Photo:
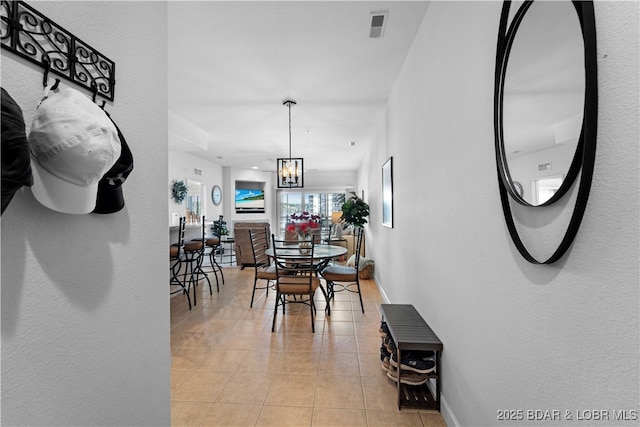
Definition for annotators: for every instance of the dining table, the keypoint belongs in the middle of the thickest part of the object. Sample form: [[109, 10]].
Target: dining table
[[322, 255]]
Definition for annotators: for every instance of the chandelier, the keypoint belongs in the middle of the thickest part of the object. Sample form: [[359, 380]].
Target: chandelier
[[290, 172]]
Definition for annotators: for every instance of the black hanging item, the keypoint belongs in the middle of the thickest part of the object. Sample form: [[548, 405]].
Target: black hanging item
[[16, 166], [46, 63], [31, 35], [110, 198]]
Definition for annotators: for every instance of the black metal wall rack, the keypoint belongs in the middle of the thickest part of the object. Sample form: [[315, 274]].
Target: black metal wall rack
[[31, 35]]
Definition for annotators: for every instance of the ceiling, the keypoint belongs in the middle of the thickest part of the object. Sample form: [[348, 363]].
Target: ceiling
[[233, 63]]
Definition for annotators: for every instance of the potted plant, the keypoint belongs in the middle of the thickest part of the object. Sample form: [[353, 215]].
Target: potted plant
[[355, 211], [219, 227]]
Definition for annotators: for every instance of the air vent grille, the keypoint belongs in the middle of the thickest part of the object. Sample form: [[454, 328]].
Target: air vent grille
[[378, 23]]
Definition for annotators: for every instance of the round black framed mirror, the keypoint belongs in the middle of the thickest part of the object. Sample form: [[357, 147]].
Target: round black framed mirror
[[545, 108]]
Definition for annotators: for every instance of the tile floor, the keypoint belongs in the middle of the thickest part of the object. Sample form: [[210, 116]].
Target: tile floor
[[229, 369]]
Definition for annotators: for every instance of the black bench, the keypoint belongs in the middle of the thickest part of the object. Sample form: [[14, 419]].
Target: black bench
[[410, 332]]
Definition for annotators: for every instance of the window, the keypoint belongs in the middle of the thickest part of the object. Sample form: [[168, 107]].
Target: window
[[322, 204]]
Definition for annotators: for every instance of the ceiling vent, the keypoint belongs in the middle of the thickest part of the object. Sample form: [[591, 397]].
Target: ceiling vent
[[378, 22]]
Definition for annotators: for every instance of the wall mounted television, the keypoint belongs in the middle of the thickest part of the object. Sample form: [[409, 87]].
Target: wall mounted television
[[249, 200]]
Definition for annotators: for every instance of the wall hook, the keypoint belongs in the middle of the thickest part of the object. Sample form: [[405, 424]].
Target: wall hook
[[46, 61], [28, 33], [94, 90]]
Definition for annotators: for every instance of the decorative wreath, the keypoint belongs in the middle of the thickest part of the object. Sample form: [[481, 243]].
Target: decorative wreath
[[179, 191]]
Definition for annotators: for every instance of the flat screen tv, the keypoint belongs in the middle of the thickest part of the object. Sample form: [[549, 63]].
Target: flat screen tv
[[249, 201]]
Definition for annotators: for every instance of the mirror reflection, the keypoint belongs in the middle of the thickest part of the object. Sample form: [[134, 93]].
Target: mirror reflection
[[194, 201], [543, 99]]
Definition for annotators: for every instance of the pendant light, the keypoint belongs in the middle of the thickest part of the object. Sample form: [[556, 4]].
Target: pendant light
[[290, 170]]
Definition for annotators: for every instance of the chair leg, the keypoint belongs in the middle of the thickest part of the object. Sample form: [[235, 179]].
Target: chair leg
[[188, 271], [360, 295], [213, 269], [255, 282], [176, 279], [312, 307], [275, 311], [215, 266], [199, 271]]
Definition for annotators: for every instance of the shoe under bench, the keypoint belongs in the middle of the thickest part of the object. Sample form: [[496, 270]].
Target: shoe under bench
[[410, 332]]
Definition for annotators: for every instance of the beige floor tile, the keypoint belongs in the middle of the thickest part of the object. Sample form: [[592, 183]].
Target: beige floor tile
[[188, 413], [218, 325], [404, 418], [245, 325], [292, 390], [342, 316], [337, 305], [243, 341], [232, 415], [338, 363], [370, 364], [206, 339], [283, 416], [330, 417], [303, 325], [178, 376], [178, 338], [337, 327], [432, 419], [263, 362], [340, 343], [368, 327], [247, 388], [371, 314], [339, 392], [303, 342], [202, 386], [229, 369], [368, 343], [379, 393], [299, 362], [187, 358], [222, 359]]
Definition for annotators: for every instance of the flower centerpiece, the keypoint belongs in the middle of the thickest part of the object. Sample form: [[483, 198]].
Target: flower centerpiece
[[303, 225]]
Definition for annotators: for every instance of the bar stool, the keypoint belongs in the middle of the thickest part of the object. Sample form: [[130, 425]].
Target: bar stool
[[193, 257], [213, 243], [176, 252]]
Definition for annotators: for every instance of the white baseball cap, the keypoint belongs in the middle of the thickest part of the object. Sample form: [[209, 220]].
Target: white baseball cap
[[72, 143]]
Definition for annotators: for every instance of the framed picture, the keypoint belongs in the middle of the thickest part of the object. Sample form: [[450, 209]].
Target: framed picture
[[387, 193]]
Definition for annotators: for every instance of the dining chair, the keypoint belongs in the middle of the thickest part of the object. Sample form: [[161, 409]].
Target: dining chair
[[345, 277], [264, 269], [176, 252], [295, 276]]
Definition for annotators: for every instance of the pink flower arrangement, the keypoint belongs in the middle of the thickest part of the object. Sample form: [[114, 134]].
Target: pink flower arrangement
[[303, 224]]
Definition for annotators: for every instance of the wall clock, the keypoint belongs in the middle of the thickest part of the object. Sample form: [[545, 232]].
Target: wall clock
[[216, 195]]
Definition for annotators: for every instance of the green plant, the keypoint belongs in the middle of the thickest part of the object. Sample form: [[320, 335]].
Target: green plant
[[219, 227], [355, 211], [179, 191]]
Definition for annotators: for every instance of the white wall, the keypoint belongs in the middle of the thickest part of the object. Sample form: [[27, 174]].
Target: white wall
[[516, 335], [231, 176], [182, 166], [85, 306]]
